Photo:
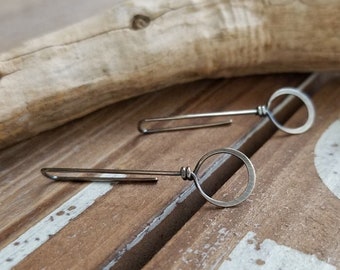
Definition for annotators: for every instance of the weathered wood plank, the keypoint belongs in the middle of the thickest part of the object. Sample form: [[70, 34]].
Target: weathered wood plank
[[290, 205], [128, 219], [140, 46]]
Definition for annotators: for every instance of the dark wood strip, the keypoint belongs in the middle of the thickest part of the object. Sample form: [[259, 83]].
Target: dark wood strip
[[109, 229], [290, 204]]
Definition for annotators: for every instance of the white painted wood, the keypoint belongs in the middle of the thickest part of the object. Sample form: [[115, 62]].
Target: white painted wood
[[140, 46], [327, 158], [37, 235], [269, 255]]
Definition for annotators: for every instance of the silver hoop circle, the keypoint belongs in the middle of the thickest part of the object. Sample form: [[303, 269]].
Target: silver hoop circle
[[251, 177], [307, 102]]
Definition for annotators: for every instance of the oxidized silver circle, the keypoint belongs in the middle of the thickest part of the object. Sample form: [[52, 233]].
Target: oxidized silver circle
[[251, 177], [307, 102]]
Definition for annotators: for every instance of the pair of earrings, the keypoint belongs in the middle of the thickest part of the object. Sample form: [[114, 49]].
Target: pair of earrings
[[108, 175]]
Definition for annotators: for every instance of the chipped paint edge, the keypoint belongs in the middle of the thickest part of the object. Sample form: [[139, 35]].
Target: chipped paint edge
[[41, 232], [179, 199], [269, 255], [327, 158]]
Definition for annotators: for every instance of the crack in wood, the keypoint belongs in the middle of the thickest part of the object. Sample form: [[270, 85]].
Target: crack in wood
[[170, 220], [137, 22]]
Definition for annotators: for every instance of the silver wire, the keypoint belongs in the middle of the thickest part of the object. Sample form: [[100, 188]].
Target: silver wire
[[103, 175], [262, 110], [251, 177], [113, 175]]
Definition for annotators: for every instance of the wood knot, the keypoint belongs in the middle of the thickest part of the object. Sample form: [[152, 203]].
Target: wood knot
[[140, 22]]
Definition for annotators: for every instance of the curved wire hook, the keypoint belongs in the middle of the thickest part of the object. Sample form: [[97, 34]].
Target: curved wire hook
[[108, 175], [262, 110]]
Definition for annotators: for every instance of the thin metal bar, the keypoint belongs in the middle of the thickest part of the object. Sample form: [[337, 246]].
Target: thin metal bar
[[176, 128], [185, 172], [191, 116], [145, 130], [262, 110], [203, 115], [105, 175]]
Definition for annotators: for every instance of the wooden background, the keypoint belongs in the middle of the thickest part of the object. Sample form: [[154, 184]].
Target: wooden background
[[166, 225]]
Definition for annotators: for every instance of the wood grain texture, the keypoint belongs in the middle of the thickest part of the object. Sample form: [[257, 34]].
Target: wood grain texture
[[137, 47], [290, 203], [130, 221]]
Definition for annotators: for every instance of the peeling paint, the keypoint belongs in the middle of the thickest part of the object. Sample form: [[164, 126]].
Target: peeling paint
[[50, 225], [327, 158], [269, 255]]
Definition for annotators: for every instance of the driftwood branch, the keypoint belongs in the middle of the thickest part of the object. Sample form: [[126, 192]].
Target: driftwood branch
[[140, 46]]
